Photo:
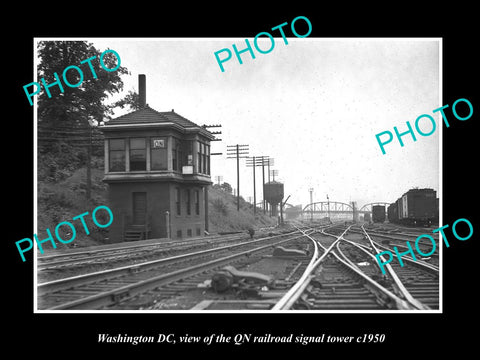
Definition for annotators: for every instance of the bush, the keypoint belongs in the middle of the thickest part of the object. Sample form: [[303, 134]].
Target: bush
[[226, 187], [58, 161], [220, 206]]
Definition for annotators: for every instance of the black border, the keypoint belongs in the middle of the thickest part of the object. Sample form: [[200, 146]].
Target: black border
[[406, 334]]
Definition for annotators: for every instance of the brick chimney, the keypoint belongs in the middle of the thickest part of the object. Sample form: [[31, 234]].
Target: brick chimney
[[142, 96]]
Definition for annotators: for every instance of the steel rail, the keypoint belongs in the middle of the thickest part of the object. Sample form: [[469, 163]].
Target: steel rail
[[346, 257], [399, 233], [98, 251], [400, 239], [45, 262], [113, 296], [399, 303], [400, 230], [315, 245], [292, 295], [157, 245], [399, 285], [287, 301], [65, 283], [418, 262]]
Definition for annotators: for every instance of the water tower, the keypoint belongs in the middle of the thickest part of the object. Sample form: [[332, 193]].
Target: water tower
[[273, 194]]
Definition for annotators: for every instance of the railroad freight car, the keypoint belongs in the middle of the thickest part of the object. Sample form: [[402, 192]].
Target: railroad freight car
[[417, 207], [392, 212], [378, 213]]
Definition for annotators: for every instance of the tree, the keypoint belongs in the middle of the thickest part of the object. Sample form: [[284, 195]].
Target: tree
[[131, 100], [226, 187], [65, 119], [76, 105]]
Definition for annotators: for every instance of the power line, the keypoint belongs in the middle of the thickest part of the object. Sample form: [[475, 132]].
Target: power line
[[253, 162], [236, 152], [262, 161]]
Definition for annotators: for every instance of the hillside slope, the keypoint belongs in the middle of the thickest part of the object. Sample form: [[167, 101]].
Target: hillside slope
[[224, 217]]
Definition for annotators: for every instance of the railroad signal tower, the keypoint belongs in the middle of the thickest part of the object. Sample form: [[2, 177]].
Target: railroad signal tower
[[157, 167]]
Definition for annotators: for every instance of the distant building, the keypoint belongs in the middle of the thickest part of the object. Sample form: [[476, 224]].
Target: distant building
[[157, 167]]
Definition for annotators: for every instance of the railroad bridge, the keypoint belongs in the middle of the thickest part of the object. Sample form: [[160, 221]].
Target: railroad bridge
[[332, 209]]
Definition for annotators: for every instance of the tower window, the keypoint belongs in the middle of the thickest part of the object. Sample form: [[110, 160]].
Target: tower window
[[177, 201], [189, 202], [197, 202], [138, 154], [158, 154], [116, 155]]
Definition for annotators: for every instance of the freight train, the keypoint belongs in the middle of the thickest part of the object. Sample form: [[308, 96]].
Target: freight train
[[417, 207], [378, 213]]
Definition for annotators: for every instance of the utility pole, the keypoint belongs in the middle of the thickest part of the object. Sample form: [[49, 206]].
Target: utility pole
[[270, 162], [254, 161], [205, 189], [311, 203], [267, 161], [328, 207], [282, 204], [236, 152], [206, 127], [273, 173], [92, 126], [263, 160], [88, 190], [263, 185]]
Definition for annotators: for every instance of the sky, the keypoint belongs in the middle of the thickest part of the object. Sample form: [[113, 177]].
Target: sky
[[314, 106]]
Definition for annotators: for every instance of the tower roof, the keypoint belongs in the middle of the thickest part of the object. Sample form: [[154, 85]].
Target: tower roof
[[147, 115]]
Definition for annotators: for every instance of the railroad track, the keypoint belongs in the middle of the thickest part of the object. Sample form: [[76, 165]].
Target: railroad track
[[346, 276], [340, 273], [250, 295], [388, 242], [332, 283], [420, 280], [123, 287], [56, 266], [399, 230], [399, 237]]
